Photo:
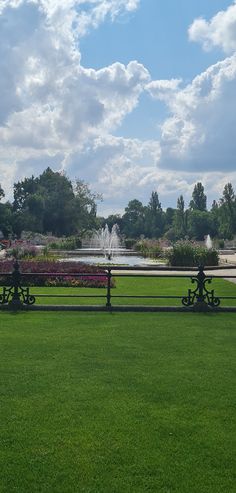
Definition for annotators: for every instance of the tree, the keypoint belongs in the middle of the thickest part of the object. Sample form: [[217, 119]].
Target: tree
[[201, 224], [111, 220], [49, 203], [86, 206], [6, 219], [154, 203], [215, 216], [2, 194], [133, 219], [227, 212], [169, 217], [199, 199], [5, 216], [180, 219], [154, 217]]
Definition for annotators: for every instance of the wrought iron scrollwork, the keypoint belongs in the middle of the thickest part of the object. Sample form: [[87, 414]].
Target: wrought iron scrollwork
[[6, 295], [16, 295], [201, 296]]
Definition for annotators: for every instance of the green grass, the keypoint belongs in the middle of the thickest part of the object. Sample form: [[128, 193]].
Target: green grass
[[116, 403], [135, 286]]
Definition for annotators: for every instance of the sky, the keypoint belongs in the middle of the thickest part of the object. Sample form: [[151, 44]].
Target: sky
[[130, 96]]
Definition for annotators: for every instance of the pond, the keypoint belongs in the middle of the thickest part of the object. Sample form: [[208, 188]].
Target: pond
[[130, 260]]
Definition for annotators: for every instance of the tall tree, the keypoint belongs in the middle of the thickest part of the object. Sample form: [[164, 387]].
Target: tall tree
[[227, 212], [154, 203], [133, 219], [180, 220], [199, 199], [154, 217]]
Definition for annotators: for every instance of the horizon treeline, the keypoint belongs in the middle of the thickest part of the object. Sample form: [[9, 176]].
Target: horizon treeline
[[51, 203], [193, 221]]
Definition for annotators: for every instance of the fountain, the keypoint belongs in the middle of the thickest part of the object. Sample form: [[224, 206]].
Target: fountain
[[208, 242], [107, 241]]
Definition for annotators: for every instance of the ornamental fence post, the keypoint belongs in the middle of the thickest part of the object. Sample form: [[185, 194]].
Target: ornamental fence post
[[201, 298], [15, 303], [109, 276]]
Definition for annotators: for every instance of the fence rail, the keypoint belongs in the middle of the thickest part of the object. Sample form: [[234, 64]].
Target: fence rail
[[201, 297]]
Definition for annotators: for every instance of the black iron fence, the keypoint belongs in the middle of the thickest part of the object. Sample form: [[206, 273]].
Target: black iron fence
[[201, 296]]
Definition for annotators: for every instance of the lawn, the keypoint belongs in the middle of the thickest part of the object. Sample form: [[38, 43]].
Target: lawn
[[137, 286], [116, 403]]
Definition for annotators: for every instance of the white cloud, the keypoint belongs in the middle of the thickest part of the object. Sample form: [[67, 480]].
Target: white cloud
[[200, 133], [56, 112], [49, 101], [162, 89], [220, 31], [99, 10]]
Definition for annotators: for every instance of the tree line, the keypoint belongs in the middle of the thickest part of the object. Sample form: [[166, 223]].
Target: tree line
[[51, 203], [192, 222]]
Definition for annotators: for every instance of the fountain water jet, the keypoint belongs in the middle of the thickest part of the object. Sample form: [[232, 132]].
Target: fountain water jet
[[107, 241], [208, 242]]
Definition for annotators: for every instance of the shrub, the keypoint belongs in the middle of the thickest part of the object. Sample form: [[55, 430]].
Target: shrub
[[129, 243], [187, 254], [70, 243], [221, 243], [23, 251], [149, 248]]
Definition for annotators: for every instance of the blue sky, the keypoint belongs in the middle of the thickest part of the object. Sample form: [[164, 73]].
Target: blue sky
[[157, 36], [129, 95]]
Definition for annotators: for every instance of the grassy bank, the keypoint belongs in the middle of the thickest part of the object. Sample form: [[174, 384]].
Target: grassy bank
[[113, 403]]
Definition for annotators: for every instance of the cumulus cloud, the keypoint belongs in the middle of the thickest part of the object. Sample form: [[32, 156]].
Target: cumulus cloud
[[116, 162], [199, 134], [162, 89], [220, 31], [56, 112], [49, 101]]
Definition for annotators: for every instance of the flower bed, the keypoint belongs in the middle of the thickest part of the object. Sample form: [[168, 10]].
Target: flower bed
[[64, 269]]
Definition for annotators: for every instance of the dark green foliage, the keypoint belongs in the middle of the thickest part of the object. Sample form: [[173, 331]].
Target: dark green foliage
[[6, 219], [180, 219], [200, 224], [129, 243], [111, 221], [154, 217], [227, 212], [187, 254], [49, 203], [2, 194], [199, 199], [133, 221]]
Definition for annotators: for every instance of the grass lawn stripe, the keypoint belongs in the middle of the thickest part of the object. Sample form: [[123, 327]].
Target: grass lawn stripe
[[117, 403]]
